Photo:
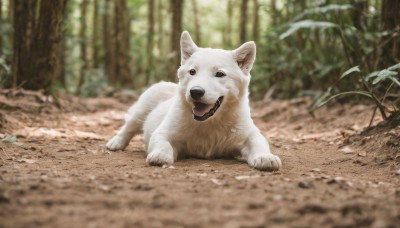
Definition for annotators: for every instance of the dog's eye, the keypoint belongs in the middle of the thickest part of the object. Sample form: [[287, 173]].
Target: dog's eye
[[220, 74], [192, 72]]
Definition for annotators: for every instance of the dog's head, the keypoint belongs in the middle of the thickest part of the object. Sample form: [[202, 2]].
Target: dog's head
[[209, 79]]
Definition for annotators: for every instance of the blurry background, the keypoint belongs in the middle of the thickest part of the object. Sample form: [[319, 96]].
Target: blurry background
[[95, 47]]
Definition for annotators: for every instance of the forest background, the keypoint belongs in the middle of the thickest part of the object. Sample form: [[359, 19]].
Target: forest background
[[95, 47]]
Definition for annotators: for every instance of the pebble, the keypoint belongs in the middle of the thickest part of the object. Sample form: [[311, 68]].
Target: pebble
[[305, 185], [346, 150]]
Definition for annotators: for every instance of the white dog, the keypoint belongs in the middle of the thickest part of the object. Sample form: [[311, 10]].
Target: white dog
[[205, 115]]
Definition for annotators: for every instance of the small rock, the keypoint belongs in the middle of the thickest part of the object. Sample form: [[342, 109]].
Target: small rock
[[255, 206], [244, 177], [316, 170], [277, 197], [305, 185], [362, 154], [29, 161], [346, 150], [216, 181], [104, 188], [44, 178], [397, 172]]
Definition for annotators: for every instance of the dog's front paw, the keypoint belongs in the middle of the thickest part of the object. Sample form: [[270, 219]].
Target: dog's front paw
[[159, 158], [117, 143], [265, 162]]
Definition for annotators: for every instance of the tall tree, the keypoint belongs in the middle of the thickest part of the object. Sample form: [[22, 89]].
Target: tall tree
[[274, 13], [95, 36], [243, 20], [227, 36], [108, 40], [160, 27], [150, 40], [256, 20], [23, 18], [83, 44], [122, 32], [37, 68], [62, 75], [1, 22], [177, 11], [197, 27], [391, 43]]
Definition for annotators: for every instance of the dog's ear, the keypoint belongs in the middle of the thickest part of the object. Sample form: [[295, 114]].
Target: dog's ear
[[245, 56], [188, 47]]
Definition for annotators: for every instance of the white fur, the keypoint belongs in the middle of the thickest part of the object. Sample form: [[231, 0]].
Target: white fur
[[164, 111]]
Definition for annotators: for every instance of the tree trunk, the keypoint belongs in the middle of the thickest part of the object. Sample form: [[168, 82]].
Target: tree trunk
[[390, 54], [160, 28], [274, 13], [1, 25], [63, 52], [243, 18], [83, 46], [11, 19], [122, 32], [108, 40], [23, 18], [227, 36], [177, 11], [357, 14], [197, 27], [256, 19], [150, 40], [95, 35], [47, 45]]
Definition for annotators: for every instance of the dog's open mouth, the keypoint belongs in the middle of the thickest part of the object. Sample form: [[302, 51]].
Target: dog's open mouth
[[203, 111]]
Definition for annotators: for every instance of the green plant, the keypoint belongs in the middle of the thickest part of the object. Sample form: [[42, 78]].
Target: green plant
[[371, 86]]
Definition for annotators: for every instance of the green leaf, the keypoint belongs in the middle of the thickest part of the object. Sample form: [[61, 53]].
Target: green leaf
[[10, 139], [21, 145], [349, 71], [394, 80], [306, 24], [383, 75], [321, 103], [394, 67], [323, 10], [371, 75]]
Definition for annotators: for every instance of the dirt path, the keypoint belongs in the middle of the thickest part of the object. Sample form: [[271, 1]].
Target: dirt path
[[67, 179]]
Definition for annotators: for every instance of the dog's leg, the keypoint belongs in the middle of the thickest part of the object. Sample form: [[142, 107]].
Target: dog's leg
[[132, 126], [160, 151], [138, 113], [258, 154]]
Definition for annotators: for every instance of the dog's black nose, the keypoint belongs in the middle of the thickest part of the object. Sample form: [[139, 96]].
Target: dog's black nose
[[197, 92]]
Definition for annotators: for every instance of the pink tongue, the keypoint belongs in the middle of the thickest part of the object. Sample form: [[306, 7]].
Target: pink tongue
[[200, 109]]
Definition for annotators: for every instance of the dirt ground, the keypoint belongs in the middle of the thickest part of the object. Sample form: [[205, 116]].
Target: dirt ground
[[57, 172]]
